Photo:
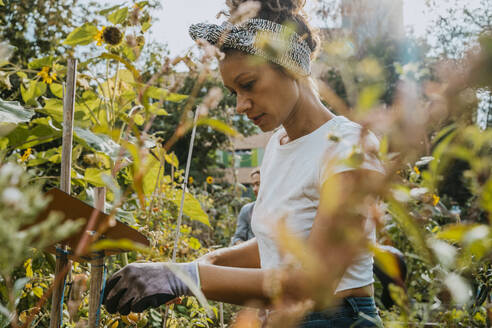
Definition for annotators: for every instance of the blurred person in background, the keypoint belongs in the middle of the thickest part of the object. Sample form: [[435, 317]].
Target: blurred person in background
[[243, 226]]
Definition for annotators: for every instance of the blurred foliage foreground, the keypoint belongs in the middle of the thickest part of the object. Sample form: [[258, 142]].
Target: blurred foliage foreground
[[437, 190]]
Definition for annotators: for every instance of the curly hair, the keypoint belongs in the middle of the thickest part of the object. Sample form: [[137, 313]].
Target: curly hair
[[286, 12]]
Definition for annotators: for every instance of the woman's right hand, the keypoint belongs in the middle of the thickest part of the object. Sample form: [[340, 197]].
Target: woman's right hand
[[244, 255]]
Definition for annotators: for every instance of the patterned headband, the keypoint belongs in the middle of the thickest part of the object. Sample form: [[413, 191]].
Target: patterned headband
[[274, 42]]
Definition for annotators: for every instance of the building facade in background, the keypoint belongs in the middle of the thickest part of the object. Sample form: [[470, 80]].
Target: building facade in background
[[247, 155]]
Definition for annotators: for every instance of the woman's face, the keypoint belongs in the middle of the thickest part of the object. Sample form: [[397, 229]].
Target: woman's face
[[264, 93]]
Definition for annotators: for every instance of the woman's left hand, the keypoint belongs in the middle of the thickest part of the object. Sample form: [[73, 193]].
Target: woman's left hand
[[139, 286]]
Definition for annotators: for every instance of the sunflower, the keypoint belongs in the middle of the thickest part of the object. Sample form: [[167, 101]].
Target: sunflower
[[210, 180], [26, 155], [435, 199], [46, 75], [99, 36]]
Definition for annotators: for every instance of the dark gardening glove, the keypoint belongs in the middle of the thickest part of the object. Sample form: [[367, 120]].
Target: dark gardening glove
[[139, 286]]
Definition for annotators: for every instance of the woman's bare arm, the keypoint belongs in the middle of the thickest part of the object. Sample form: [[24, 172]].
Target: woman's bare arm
[[242, 286], [244, 255]]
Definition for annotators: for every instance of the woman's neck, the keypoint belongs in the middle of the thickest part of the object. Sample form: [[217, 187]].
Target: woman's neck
[[307, 116]]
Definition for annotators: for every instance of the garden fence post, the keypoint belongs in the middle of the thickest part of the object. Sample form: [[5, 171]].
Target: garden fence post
[[65, 181], [97, 269]]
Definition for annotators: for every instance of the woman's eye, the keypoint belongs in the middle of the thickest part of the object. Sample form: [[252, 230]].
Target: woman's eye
[[248, 86]]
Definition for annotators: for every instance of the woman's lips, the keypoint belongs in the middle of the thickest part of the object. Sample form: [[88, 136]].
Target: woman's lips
[[257, 119]]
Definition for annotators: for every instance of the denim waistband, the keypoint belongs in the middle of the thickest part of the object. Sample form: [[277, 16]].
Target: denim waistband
[[348, 310], [353, 305]]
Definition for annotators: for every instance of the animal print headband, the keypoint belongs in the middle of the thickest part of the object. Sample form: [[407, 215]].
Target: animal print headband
[[275, 42]]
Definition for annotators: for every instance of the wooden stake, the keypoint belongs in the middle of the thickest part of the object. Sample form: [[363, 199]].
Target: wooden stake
[[97, 269], [221, 314], [68, 113], [65, 181]]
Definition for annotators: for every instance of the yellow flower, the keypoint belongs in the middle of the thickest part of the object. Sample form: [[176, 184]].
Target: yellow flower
[[190, 180], [416, 169], [26, 155], [99, 36], [435, 199], [210, 180], [46, 76]]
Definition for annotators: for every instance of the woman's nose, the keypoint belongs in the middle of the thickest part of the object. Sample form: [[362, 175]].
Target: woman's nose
[[242, 104]]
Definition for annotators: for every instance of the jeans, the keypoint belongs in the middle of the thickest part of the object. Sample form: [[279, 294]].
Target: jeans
[[354, 312]]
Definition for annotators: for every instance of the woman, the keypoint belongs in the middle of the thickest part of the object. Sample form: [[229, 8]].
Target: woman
[[267, 67]]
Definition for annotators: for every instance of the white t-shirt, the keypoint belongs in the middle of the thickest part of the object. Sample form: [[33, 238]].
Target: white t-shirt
[[291, 178]]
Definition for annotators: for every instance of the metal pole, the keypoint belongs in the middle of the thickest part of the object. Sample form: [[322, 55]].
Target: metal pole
[[185, 185], [65, 181]]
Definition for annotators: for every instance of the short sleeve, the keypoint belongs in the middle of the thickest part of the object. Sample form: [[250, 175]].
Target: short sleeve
[[348, 150]]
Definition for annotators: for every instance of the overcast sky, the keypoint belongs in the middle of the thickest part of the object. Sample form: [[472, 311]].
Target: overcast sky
[[176, 15]]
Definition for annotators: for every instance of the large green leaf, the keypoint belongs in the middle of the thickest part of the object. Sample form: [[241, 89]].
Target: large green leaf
[[34, 90], [486, 198], [24, 136], [159, 93], [172, 159], [98, 142], [41, 62], [54, 108], [57, 90], [81, 35], [94, 176], [218, 126], [119, 16], [151, 175], [109, 10], [11, 114], [123, 244], [192, 207]]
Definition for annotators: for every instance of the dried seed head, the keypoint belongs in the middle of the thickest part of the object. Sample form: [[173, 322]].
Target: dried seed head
[[112, 36]]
